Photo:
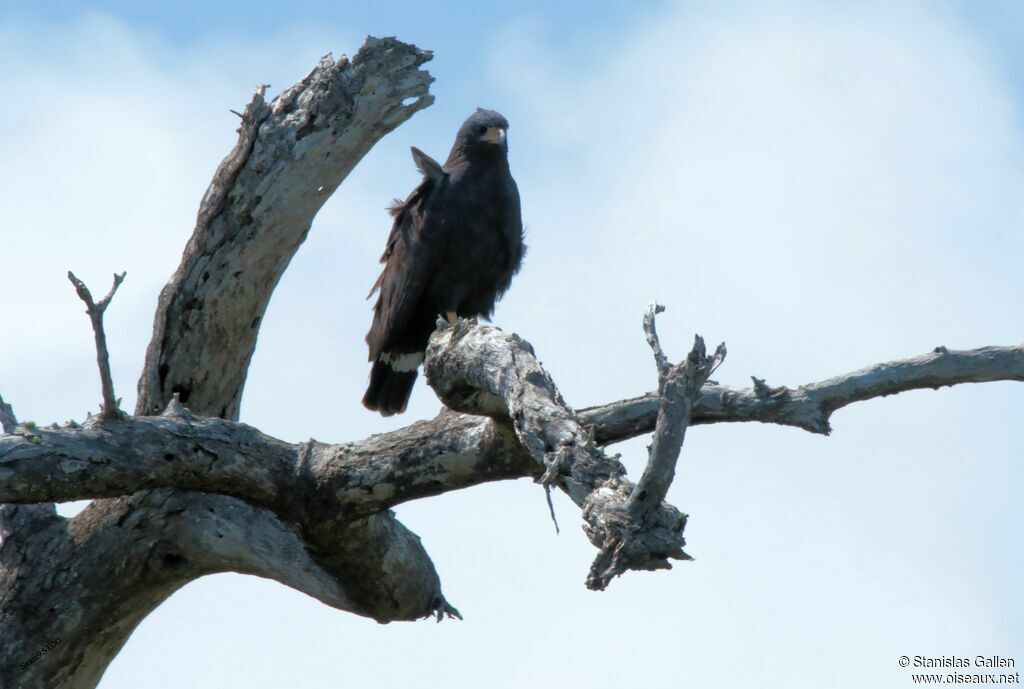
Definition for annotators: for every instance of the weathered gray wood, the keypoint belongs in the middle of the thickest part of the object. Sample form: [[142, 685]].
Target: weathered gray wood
[[319, 488], [481, 369], [185, 494], [811, 406], [84, 584], [180, 450], [678, 389], [338, 483], [291, 155]]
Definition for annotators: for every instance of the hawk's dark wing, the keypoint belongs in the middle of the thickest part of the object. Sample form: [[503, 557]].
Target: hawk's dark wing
[[408, 262]]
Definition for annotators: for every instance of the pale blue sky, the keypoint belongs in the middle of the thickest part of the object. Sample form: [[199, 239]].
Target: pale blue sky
[[821, 185]]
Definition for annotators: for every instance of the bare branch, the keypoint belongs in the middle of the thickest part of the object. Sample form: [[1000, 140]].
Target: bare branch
[[164, 539], [94, 461], [660, 360], [678, 389], [480, 369], [95, 310], [290, 157], [810, 406], [314, 516], [453, 451], [160, 541], [322, 487], [25, 518], [342, 482]]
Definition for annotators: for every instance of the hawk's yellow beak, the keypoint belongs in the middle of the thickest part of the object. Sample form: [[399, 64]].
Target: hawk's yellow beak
[[494, 135]]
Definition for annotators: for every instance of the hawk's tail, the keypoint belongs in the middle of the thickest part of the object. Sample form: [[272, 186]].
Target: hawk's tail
[[389, 390]]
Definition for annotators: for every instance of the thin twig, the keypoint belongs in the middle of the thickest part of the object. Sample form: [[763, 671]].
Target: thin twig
[[95, 311], [551, 507], [652, 338]]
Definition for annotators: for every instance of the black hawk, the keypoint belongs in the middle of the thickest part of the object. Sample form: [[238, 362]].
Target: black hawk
[[455, 244]]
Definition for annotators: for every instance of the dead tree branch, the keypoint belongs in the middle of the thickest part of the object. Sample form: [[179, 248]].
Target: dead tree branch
[[480, 369], [182, 494], [264, 501], [291, 155], [343, 482], [20, 518], [678, 389], [354, 480], [186, 452], [661, 361], [110, 408], [811, 406]]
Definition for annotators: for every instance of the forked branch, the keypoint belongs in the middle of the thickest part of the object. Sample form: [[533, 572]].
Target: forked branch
[[480, 369], [95, 310], [678, 390], [291, 155]]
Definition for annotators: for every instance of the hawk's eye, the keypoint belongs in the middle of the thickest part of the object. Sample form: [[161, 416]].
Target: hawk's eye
[[480, 129]]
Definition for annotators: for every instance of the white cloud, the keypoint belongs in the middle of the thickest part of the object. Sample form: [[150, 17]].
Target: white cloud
[[821, 188]]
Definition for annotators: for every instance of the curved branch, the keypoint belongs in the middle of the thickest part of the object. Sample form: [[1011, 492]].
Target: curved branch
[[160, 541], [480, 368], [290, 157]]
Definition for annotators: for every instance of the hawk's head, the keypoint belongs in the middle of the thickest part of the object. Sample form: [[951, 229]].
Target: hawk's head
[[482, 130]]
